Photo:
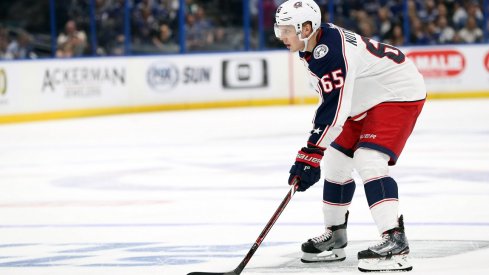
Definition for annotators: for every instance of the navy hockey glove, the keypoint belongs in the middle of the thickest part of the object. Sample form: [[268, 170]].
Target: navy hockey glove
[[306, 167]]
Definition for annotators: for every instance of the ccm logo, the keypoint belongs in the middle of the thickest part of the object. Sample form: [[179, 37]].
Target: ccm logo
[[486, 62], [244, 74], [441, 63]]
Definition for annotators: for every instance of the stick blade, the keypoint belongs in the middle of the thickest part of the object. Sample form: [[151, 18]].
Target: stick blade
[[213, 273]]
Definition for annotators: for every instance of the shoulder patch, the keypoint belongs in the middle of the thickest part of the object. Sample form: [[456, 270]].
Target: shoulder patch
[[320, 51]]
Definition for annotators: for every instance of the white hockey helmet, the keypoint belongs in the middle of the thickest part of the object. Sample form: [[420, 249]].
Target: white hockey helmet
[[296, 13]]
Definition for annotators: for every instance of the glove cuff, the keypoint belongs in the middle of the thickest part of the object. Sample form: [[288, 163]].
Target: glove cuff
[[312, 145], [310, 156]]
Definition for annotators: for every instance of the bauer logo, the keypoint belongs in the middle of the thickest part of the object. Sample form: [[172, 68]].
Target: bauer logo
[[162, 76], [3, 82], [438, 63], [244, 74]]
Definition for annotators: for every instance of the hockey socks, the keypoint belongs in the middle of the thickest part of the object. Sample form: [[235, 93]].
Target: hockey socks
[[383, 200]]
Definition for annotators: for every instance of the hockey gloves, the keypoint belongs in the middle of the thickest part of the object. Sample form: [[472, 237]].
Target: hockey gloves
[[306, 167]]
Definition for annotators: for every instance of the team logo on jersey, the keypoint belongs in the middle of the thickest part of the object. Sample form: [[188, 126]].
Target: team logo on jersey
[[321, 51], [298, 5]]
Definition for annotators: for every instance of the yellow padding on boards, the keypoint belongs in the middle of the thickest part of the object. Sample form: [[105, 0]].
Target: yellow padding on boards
[[201, 105], [140, 109], [459, 95]]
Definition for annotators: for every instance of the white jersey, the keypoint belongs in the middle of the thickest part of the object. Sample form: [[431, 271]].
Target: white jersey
[[352, 74]]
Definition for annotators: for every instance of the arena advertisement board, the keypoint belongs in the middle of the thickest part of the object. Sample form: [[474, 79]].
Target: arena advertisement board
[[81, 83], [9, 93], [451, 68], [123, 84], [486, 62], [245, 73], [176, 77], [438, 63], [207, 78], [3, 81]]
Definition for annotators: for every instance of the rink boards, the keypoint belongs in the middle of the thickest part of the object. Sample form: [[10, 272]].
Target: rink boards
[[54, 88]]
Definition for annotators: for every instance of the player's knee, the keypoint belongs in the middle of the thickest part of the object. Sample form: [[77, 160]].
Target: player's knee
[[370, 163], [338, 166]]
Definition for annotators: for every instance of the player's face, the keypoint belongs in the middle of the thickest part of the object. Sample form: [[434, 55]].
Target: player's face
[[288, 36]]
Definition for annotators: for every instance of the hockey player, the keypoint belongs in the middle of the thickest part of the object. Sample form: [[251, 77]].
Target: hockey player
[[370, 98]]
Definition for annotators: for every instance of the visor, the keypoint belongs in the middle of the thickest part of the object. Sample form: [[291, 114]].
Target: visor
[[284, 30]]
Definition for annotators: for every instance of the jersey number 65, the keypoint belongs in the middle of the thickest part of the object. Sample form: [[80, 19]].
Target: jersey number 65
[[333, 80]]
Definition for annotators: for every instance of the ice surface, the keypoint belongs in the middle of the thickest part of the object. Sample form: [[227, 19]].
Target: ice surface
[[176, 192]]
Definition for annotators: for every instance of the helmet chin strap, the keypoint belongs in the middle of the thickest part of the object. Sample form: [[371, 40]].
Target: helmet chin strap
[[306, 40]]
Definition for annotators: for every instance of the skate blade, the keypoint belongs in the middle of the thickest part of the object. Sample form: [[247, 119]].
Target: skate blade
[[326, 256], [396, 263]]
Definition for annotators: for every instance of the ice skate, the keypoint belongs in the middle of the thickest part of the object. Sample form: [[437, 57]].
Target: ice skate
[[328, 247], [388, 255]]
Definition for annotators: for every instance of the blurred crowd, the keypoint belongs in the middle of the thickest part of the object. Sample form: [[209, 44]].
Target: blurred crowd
[[430, 21], [217, 25]]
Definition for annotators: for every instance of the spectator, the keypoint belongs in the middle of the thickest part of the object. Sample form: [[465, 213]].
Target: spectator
[[21, 47], [474, 10], [145, 24], [365, 25], [396, 8], [72, 42], [191, 7], [459, 16], [418, 36], [147, 5], [168, 10], [194, 36], [163, 39], [201, 20], [429, 13], [366, 28], [226, 39], [384, 23], [446, 33], [397, 36], [371, 7], [412, 10], [471, 33], [432, 33], [107, 24], [199, 33], [269, 8], [442, 11], [3, 42], [118, 47]]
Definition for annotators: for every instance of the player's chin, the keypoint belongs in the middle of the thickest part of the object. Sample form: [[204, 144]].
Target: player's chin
[[292, 49]]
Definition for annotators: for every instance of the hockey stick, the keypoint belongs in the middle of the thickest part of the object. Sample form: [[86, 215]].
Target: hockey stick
[[260, 239]]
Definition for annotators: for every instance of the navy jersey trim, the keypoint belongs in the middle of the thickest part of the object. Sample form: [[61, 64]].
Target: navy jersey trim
[[392, 155], [347, 152]]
